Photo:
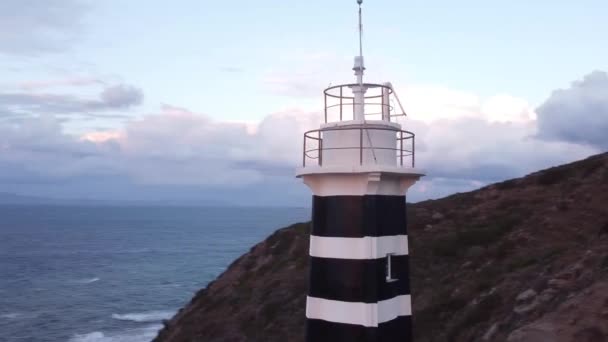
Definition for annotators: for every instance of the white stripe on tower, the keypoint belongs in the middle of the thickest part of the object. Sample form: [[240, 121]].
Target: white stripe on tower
[[365, 314], [368, 247]]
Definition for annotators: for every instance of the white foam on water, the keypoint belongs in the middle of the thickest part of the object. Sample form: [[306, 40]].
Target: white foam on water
[[18, 315], [95, 336], [145, 334], [11, 315], [149, 316], [87, 280]]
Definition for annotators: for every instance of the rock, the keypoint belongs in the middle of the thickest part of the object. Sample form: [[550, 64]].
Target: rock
[[534, 333], [428, 228], [437, 216], [525, 308], [571, 273], [526, 296], [422, 211], [489, 335], [577, 269], [580, 319], [547, 295], [526, 302], [559, 283], [588, 258], [522, 238]]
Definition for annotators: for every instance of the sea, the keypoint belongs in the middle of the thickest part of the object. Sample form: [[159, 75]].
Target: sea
[[113, 274]]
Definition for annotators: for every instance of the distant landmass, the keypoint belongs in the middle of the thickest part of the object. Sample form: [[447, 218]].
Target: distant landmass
[[8, 198], [15, 199], [525, 260]]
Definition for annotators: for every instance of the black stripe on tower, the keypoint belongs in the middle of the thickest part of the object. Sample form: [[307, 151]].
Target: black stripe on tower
[[358, 216], [399, 329], [358, 280]]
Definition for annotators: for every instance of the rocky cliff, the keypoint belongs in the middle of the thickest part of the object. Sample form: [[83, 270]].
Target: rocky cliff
[[524, 260]]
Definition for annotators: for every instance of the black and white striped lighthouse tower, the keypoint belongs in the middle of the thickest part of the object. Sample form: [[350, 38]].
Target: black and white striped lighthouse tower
[[359, 165]]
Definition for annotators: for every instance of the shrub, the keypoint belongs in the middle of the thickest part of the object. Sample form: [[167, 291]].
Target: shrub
[[503, 249], [506, 185], [479, 313], [553, 176], [591, 165], [521, 261], [455, 243], [604, 263]]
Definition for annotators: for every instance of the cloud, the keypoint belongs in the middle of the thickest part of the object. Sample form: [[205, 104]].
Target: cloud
[[431, 103], [478, 150], [173, 147], [117, 97], [35, 150], [30, 27], [176, 152], [179, 146], [70, 82], [578, 114]]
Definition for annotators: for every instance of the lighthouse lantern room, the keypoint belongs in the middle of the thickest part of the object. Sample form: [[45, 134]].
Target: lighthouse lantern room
[[359, 165]]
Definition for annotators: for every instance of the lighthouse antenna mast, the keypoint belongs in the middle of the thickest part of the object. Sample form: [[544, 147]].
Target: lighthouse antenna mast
[[359, 90], [360, 39]]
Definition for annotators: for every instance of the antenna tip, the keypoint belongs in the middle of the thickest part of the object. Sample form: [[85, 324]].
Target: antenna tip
[[359, 2]]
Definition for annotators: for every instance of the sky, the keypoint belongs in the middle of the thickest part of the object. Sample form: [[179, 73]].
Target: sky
[[206, 101]]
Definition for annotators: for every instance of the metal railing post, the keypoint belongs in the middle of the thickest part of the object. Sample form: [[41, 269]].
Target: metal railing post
[[340, 103], [413, 150], [382, 106], [325, 100], [304, 152], [320, 150], [360, 145], [401, 147]]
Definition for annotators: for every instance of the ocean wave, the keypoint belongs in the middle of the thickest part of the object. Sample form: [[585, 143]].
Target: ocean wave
[[140, 317], [87, 280], [90, 337], [11, 315], [145, 334], [18, 315]]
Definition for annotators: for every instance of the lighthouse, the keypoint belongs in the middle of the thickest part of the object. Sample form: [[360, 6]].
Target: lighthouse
[[359, 165]]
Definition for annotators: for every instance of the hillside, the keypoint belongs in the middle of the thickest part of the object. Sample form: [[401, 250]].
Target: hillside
[[524, 260]]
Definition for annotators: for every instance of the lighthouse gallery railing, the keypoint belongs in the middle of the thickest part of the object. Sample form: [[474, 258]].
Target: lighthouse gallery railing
[[377, 102], [404, 145]]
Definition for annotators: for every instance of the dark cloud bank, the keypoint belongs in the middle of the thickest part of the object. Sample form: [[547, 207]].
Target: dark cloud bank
[[118, 97], [578, 114]]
